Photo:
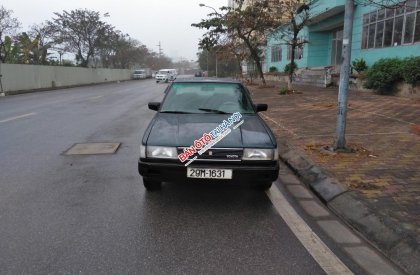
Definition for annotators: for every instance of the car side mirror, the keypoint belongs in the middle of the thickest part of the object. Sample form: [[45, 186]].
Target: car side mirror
[[261, 107], [154, 106]]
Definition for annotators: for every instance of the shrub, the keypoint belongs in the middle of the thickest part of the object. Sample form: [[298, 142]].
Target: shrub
[[383, 74], [273, 69], [411, 70], [283, 91], [67, 63], [288, 67], [359, 65]]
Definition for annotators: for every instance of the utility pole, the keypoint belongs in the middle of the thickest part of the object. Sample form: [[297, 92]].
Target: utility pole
[[340, 139], [160, 49]]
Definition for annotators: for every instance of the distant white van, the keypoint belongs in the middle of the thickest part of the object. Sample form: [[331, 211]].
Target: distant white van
[[166, 75], [139, 74], [142, 73]]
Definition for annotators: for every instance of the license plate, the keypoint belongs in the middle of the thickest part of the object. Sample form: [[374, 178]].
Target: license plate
[[205, 173]]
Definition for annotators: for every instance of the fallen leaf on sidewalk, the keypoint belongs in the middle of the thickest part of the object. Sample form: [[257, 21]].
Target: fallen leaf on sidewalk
[[362, 185], [415, 129], [352, 150], [325, 105]]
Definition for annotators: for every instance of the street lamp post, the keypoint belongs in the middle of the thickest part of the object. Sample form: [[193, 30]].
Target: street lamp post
[[202, 5], [218, 14]]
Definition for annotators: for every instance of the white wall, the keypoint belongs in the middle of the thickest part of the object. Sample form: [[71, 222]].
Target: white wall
[[18, 77]]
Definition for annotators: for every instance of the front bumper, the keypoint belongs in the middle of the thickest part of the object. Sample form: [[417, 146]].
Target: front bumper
[[242, 173]]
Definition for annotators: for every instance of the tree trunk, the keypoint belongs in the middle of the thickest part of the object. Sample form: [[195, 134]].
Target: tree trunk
[[256, 57], [291, 66], [239, 65], [260, 71]]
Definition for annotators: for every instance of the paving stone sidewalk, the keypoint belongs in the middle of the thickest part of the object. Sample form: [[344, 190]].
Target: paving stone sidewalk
[[384, 132]]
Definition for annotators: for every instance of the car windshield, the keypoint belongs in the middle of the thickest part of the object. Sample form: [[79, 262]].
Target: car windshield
[[138, 72], [163, 72], [207, 98]]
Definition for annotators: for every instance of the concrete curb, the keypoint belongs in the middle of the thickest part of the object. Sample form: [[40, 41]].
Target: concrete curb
[[20, 92], [397, 243], [326, 187]]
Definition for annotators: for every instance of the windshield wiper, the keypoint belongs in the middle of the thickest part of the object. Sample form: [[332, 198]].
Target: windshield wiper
[[176, 112], [213, 111]]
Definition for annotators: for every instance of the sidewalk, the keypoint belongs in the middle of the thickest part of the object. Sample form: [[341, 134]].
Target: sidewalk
[[376, 189]]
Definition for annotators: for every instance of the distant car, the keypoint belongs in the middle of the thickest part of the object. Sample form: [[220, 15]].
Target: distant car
[[198, 74], [166, 75], [142, 73], [139, 74], [194, 114]]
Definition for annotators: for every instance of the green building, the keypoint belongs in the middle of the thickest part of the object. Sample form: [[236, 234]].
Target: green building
[[377, 33]]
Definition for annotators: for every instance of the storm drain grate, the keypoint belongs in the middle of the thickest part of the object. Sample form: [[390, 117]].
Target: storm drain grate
[[93, 148]]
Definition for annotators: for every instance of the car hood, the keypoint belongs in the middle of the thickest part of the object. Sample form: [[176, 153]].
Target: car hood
[[181, 130]]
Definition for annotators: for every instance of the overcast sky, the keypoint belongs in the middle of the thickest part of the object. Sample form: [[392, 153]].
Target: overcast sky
[[167, 21]]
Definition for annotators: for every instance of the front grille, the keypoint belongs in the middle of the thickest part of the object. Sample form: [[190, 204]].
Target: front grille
[[219, 154]]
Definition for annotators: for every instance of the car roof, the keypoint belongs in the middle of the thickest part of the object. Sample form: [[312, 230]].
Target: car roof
[[207, 80]]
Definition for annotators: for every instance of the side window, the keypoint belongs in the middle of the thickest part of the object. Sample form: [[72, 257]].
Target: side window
[[392, 26], [276, 53]]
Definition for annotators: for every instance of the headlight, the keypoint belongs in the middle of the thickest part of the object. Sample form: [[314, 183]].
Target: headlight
[[161, 152], [260, 154], [142, 151]]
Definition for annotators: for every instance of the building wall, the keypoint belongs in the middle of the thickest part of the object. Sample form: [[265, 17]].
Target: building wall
[[284, 61], [319, 50], [18, 77], [373, 55], [324, 5]]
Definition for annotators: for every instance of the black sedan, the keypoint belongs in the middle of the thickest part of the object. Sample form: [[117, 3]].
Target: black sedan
[[208, 130]]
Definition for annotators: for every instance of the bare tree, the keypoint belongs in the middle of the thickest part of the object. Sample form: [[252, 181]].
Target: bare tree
[[8, 27], [158, 61], [82, 31], [236, 48], [250, 24], [296, 16], [45, 41], [128, 52]]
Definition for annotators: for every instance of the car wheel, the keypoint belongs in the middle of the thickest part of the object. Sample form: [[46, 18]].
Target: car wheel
[[157, 81], [152, 185], [264, 186]]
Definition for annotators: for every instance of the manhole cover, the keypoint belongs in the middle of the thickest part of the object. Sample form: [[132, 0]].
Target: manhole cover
[[93, 148]]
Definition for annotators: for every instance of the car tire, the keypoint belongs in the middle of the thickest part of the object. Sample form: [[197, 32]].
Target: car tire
[[152, 185], [264, 186], [157, 81]]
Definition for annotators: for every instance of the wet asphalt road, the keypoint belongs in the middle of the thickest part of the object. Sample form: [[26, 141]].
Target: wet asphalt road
[[90, 214]]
